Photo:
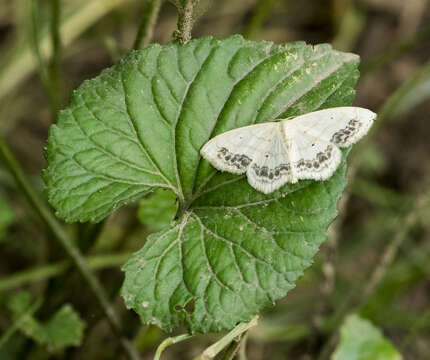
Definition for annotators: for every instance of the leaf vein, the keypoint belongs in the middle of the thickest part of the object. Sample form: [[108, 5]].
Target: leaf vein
[[318, 80], [227, 241], [208, 264], [157, 105], [111, 178], [227, 100], [133, 126], [175, 125], [108, 153]]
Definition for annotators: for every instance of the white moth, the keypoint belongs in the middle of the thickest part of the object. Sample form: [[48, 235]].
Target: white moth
[[275, 153]]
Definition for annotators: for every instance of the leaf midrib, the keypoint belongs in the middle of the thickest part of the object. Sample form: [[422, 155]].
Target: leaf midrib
[[252, 256], [138, 137], [237, 82], [182, 200]]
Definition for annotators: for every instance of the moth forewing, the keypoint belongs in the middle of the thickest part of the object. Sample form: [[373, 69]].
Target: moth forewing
[[275, 153], [342, 126], [234, 150]]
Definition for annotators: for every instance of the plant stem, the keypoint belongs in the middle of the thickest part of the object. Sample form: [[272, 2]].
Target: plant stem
[[17, 324], [63, 238], [242, 349], [394, 51], [233, 348], [221, 344], [185, 21], [393, 106], [378, 274], [150, 12], [262, 11], [49, 72], [349, 27], [392, 248], [55, 66], [47, 271], [414, 330], [21, 63], [34, 39], [170, 341], [389, 109]]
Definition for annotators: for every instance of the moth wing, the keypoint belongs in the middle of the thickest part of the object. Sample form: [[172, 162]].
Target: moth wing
[[234, 150], [271, 168], [314, 157], [342, 126]]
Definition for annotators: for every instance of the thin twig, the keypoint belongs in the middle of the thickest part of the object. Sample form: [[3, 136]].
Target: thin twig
[[377, 275], [329, 252], [387, 111], [49, 73], [423, 320], [55, 65], [18, 322], [185, 21], [63, 238], [262, 11], [168, 342], [21, 63], [394, 51], [34, 40], [242, 350], [45, 272], [150, 12], [393, 247], [233, 348], [392, 106], [221, 344], [414, 330], [349, 23]]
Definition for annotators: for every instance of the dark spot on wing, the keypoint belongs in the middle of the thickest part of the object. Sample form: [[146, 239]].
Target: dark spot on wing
[[318, 164], [342, 136], [267, 174], [239, 161]]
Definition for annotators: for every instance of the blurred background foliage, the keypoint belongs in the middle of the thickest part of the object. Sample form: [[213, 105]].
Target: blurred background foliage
[[376, 258]]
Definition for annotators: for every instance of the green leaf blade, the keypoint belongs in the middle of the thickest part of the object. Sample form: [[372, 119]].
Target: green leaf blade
[[361, 340], [158, 210], [94, 165], [230, 256], [209, 94], [140, 125], [65, 328], [290, 81]]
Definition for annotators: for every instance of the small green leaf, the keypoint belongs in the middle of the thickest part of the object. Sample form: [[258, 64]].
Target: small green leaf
[[64, 329], [158, 210], [141, 124], [361, 340]]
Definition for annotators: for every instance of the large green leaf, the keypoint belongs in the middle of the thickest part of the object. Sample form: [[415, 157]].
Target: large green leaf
[[140, 125], [361, 340]]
